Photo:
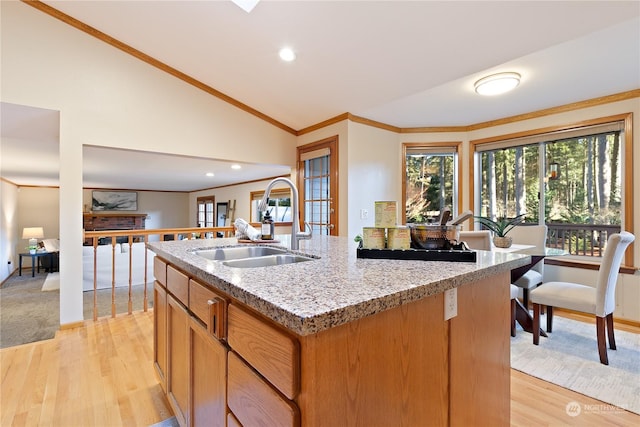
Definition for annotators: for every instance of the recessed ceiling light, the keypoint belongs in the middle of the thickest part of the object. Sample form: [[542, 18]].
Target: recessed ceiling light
[[246, 5], [287, 54], [496, 84], [209, 174], [236, 167]]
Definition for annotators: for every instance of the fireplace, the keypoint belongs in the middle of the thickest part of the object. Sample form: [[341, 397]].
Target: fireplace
[[113, 221]]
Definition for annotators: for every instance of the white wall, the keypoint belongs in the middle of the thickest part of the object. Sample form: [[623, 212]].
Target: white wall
[[37, 207], [108, 98], [8, 228], [164, 209]]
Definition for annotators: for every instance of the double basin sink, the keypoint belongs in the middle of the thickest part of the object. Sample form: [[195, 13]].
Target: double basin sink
[[251, 256]]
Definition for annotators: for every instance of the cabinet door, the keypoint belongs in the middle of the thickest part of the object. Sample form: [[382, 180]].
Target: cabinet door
[[160, 333], [178, 366], [208, 378]]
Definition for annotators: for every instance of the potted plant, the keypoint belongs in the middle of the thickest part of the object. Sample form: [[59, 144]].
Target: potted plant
[[500, 227]]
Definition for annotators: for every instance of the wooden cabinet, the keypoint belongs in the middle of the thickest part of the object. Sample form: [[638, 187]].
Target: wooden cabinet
[[160, 321], [178, 370], [208, 388], [160, 332], [190, 359], [406, 365]]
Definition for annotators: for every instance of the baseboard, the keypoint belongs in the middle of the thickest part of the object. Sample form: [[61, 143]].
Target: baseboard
[[72, 325]]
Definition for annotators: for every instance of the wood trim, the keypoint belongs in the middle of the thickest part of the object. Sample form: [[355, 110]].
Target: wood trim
[[550, 129], [72, 325], [403, 168], [328, 122], [332, 143], [628, 184], [587, 265], [622, 96], [55, 13]]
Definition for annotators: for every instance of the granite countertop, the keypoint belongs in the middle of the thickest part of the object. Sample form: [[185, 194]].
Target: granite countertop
[[334, 289]]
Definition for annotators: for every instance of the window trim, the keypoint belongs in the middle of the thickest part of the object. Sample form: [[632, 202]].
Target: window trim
[[204, 200], [279, 192], [627, 167], [448, 147]]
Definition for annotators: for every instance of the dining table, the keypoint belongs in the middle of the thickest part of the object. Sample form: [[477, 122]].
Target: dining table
[[523, 315]]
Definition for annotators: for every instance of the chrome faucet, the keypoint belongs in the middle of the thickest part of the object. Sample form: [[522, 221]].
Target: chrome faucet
[[296, 235]]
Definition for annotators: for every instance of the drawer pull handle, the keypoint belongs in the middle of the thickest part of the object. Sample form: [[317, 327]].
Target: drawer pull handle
[[216, 317]]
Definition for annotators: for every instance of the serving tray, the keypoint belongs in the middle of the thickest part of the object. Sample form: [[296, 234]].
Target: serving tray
[[418, 254]]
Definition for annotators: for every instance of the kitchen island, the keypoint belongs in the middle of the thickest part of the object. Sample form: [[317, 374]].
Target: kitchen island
[[337, 341]]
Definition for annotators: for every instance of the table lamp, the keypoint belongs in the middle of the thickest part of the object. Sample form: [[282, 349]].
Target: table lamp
[[33, 234]]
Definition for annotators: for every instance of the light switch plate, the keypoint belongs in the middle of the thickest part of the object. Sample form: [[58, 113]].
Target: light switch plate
[[450, 303]]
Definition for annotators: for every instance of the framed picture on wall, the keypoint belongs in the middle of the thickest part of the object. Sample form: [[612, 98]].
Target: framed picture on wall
[[114, 201]]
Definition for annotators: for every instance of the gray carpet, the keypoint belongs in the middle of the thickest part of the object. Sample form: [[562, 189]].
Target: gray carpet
[[569, 358], [27, 314]]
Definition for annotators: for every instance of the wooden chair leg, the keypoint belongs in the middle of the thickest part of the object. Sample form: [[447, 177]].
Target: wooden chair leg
[[602, 344], [612, 338], [536, 323], [525, 298], [513, 317], [549, 318]]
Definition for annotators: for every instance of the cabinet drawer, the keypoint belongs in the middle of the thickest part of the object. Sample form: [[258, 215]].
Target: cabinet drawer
[[253, 401], [273, 353], [160, 270], [178, 285], [209, 307]]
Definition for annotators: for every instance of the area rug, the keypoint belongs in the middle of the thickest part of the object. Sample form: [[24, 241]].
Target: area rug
[[569, 358], [52, 282]]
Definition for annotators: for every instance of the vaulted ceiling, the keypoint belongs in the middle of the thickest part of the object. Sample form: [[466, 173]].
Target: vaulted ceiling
[[407, 64]]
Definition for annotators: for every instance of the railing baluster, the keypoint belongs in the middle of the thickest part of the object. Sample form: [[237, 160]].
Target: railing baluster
[[95, 278], [113, 276], [130, 303], [95, 236]]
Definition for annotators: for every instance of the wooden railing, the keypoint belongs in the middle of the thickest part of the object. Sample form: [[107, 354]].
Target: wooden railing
[[136, 236], [580, 239]]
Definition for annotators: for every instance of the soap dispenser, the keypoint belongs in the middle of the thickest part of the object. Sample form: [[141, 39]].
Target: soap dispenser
[[268, 228]]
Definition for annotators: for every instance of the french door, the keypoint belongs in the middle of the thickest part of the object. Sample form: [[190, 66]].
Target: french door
[[318, 184]]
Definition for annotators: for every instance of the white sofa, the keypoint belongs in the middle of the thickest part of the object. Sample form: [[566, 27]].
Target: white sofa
[[104, 262]]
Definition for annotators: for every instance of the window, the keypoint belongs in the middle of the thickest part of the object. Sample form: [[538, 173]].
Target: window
[[206, 217], [431, 180], [571, 179], [279, 206]]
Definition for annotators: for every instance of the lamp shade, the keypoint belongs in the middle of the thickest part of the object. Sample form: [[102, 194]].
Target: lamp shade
[[32, 233]]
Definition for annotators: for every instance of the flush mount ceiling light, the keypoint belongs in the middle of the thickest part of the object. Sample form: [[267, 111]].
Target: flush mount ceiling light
[[246, 5], [496, 84], [287, 54], [209, 174], [236, 167]]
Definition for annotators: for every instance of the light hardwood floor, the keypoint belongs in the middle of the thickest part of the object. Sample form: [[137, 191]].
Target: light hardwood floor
[[102, 375]]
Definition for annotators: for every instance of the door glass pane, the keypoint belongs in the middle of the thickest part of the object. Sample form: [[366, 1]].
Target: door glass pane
[[316, 190]]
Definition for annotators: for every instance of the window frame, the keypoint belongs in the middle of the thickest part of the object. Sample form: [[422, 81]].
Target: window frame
[[627, 200], [276, 193], [204, 200], [433, 147]]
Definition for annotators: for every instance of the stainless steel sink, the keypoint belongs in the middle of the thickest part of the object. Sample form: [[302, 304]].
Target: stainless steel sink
[[238, 252], [266, 261]]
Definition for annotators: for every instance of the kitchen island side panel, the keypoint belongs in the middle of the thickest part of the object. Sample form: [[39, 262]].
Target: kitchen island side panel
[[480, 354], [387, 369]]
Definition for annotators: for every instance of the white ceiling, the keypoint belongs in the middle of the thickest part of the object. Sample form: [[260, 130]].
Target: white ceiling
[[402, 63]]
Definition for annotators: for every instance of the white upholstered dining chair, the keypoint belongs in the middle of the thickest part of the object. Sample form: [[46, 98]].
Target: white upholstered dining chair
[[480, 240], [530, 235], [599, 301]]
